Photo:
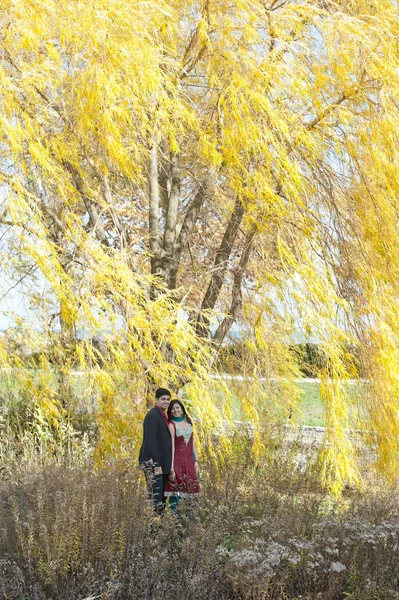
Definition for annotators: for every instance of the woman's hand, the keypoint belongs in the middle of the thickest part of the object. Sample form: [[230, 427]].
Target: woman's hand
[[196, 467], [172, 476]]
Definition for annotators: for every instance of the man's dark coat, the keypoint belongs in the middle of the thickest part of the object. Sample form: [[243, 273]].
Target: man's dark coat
[[157, 441]]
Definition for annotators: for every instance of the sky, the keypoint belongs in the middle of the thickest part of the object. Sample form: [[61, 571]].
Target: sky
[[13, 301]]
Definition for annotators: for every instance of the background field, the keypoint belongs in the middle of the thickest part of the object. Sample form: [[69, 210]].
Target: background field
[[310, 408]]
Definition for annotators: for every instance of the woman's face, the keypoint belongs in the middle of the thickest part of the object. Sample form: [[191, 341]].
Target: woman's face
[[176, 411]]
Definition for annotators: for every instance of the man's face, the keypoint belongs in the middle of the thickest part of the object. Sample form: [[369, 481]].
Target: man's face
[[163, 402]]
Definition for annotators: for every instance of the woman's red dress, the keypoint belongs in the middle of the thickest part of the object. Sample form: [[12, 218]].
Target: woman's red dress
[[186, 484]]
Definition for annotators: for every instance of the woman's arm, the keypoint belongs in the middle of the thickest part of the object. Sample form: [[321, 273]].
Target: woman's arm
[[172, 475], [195, 456]]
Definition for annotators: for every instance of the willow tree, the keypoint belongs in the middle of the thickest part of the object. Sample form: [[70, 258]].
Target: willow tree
[[177, 169]]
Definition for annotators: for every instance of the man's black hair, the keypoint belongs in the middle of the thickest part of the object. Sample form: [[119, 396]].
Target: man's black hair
[[162, 392]]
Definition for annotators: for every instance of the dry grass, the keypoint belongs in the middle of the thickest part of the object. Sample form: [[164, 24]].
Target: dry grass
[[258, 533]]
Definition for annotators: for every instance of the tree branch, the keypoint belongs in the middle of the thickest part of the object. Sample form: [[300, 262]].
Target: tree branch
[[154, 208], [190, 63], [106, 191], [220, 266], [57, 221], [90, 205], [186, 228], [236, 300], [173, 206], [328, 110], [95, 220], [31, 270]]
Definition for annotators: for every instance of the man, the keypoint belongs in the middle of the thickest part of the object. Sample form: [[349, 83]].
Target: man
[[156, 450]]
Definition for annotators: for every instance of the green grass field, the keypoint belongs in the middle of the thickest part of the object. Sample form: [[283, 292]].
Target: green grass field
[[310, 407]]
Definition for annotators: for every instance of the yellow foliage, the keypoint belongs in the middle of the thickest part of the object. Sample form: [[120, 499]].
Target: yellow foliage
[[292, 107]]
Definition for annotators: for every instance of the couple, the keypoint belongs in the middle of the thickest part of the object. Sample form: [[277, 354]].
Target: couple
[[168, 454]]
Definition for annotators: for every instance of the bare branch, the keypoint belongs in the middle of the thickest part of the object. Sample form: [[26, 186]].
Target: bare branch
[[236, 301], [190, 63], [31, 270], [95, 221], [220, 266], [186, 228], [57, 221], [91, 206], [327, 111], [109, 200]]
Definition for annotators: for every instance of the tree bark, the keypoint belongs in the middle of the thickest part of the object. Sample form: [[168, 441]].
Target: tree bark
[[186, 228], [173, 207], [91, 206], [236, 300], [220, 266], [167, 259], [95, 221], [154, 209], [106, 191]]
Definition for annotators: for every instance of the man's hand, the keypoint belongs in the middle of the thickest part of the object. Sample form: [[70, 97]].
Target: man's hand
[[157, 471]]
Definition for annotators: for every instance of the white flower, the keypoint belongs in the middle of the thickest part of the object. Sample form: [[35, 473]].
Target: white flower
[[337, 567], [242, 558]]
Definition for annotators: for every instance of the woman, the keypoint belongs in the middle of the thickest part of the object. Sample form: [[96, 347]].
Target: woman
[[182, 481]]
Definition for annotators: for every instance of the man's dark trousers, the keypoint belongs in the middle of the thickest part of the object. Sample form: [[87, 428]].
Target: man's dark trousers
[[158, 484]]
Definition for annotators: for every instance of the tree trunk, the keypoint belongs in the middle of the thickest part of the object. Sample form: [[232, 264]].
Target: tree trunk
[[167, 259], [154, 209]]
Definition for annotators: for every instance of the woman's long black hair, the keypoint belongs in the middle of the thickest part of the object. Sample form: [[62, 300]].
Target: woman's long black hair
[[185, 414]]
